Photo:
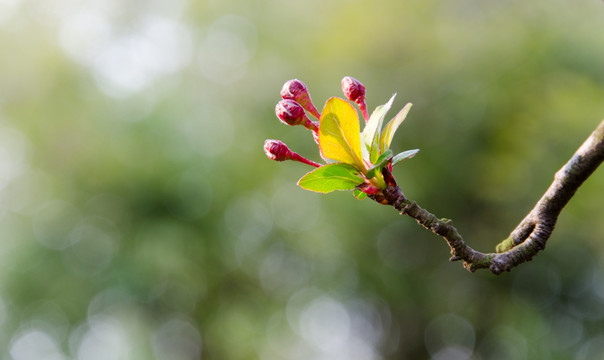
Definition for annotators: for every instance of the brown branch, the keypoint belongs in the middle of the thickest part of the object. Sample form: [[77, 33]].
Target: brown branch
[[531, 235]]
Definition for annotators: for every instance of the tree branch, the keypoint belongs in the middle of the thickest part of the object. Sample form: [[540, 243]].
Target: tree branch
[[531, 235]]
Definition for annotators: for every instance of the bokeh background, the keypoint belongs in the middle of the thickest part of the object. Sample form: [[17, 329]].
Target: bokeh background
[[140, 218]]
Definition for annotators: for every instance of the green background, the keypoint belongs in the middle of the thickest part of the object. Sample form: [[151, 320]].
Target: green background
[[140, 218]]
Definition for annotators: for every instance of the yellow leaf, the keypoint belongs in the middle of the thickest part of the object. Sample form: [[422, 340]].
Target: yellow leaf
[[339, 133]]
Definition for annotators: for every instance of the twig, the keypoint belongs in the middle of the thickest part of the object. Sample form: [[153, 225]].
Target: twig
[[531, 235]]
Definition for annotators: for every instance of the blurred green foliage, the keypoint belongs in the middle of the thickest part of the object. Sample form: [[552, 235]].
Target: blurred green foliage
[[140, 218]]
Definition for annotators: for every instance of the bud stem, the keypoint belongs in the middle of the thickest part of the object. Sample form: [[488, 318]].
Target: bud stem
[[311, 125], [294, 156], [363, 108]]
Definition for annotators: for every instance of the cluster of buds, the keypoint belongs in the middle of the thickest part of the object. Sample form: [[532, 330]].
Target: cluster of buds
[[291, 110]]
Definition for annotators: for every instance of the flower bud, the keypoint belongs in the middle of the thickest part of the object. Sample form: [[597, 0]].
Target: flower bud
[[355, 91], [278, 151], [292, 113], [296, 90]]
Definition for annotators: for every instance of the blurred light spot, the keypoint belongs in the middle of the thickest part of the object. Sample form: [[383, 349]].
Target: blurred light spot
[[54, 222], [34, 344], [248, 218], [210, 132], [452, 353], [294, 209], [8, 9], [91, 249], [597, 283], [84, 34], [370, 321], [588, 302], [566, 330], [503, 343], [26, 192], [227, 48], [108, 301], [125, 61], [325, 324], [132, 62], [592, 349], [296, 304], [449, 337], [47, 316], [177, 339], [106, 339], [329, 329], [282, 272]]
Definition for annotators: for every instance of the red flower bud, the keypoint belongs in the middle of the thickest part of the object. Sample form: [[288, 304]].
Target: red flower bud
[[278, 151], [296, 90], [355, 91], [292, 113], [293, 89]]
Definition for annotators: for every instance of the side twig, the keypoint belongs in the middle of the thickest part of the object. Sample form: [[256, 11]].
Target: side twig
[[531, 235]]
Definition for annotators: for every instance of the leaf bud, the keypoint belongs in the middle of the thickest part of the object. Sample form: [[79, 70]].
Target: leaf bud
[[297, 91]]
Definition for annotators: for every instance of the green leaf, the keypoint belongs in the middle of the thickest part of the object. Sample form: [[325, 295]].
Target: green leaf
[[371, 132], [359, 194], [331, 177], [380, 163], [339, 137], [390, 129], [404, 156]]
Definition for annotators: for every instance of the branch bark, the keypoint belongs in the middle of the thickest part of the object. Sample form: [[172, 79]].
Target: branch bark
[[533, 232]]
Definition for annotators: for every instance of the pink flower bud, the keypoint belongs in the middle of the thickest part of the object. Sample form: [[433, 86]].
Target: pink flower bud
[[293, 89], [278, 151], [296, 90], [292, 113], [355, 91]]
